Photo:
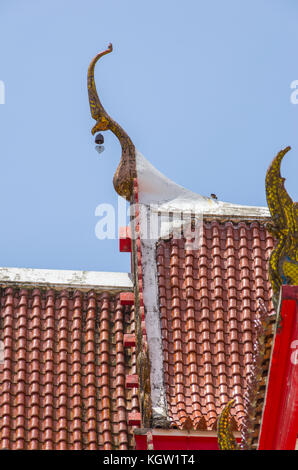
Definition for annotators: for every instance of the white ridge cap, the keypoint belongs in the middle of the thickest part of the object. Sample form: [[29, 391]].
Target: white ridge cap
[[164, 195], [62, 279]]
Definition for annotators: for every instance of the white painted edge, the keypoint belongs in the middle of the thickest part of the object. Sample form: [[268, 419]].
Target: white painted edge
[[153, 327], [164, 195], [63, 279], [178, 432]]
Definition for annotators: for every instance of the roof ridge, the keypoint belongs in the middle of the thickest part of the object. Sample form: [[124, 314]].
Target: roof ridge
[[65, 279]]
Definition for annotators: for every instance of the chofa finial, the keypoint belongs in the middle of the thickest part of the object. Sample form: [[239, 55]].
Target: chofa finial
[[283, 263], [126, 171]]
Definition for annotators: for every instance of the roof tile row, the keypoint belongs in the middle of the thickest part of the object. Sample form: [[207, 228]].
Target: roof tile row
[[208, 302], [63, 374]]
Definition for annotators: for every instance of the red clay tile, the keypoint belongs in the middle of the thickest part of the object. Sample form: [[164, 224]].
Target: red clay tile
[[61, 354], [210, 358]]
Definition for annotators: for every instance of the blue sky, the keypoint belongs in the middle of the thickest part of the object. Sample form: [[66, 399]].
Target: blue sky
[[202, 88]]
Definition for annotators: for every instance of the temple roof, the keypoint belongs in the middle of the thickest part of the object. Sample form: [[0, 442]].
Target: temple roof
[[201, 301], [63, 363], [209, 300]]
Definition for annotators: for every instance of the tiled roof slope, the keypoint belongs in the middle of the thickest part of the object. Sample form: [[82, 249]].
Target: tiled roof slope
[[62, 377], [209, 299]]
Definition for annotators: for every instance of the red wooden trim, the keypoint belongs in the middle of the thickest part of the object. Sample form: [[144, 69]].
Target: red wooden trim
[[124, 239], [141, 441], [280, 419], [178, 442], [290, 293], [134, 419], [184, 443], [127, 298], [132, 381], [129, 340]]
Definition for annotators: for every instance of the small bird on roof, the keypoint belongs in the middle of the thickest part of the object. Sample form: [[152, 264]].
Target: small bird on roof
[[213, 196]]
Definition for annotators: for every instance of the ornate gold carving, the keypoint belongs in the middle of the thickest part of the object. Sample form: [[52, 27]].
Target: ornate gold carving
[[225, 437], [283, 263], [126, 171]]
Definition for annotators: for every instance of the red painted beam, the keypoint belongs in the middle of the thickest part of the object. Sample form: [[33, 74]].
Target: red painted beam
[[127, 298], [134, 419], [178, 442], [290, 293], [129, 340], [141, 441], [124, 239], [132, 381], [184, 443], [280, 419]]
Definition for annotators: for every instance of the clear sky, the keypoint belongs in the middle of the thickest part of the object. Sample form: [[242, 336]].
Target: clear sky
[[202, 87]]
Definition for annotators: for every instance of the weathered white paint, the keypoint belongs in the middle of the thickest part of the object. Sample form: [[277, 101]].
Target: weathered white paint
[[165, 195], [62, 279], [153, 330]]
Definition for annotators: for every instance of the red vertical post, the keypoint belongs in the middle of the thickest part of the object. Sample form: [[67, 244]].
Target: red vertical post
[[280, 419]]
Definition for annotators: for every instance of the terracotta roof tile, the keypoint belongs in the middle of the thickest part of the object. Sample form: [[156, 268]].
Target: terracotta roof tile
[[208, 303], [62, 384]]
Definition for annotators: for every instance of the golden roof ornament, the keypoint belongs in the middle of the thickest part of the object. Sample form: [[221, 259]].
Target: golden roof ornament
[[126, 171], [225, 437], [283, 263]]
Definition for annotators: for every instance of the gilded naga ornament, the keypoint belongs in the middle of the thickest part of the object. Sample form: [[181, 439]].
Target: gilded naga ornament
[[126, 171], [225, 437], [283, 263]]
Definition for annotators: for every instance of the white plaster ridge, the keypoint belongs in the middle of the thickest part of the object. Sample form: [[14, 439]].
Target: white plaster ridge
[[166, 195], [62, 279], [153, 330]]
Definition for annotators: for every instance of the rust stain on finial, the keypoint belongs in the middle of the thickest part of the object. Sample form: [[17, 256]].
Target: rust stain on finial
[[126, 171]]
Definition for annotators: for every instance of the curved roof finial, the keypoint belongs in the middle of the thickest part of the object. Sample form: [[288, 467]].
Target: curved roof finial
[[283, 263], [126, 171], [97, 111]]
